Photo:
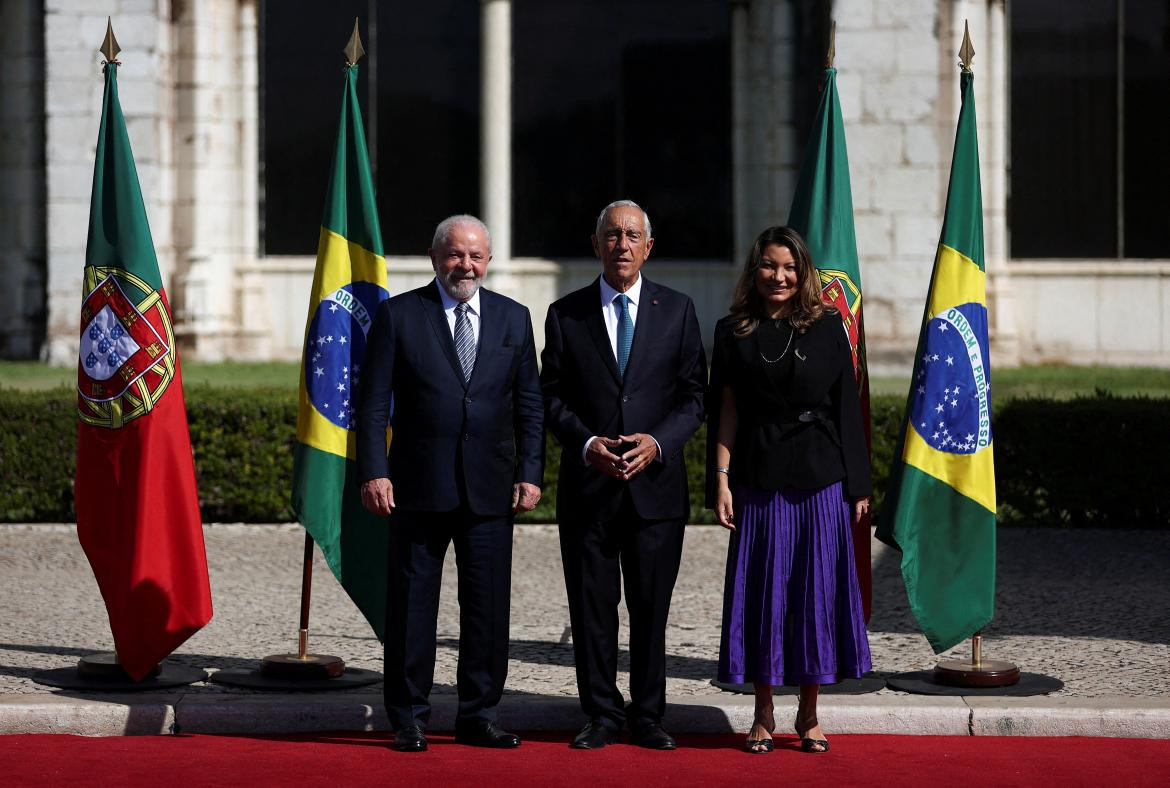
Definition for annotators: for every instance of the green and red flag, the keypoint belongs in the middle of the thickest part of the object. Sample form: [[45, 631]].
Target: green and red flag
[[137, 507], [822, 212], [940, 503], [348, 285]]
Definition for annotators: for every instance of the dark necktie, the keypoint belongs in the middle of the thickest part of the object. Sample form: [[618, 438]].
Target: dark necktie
[[625, 332], [464, 341]]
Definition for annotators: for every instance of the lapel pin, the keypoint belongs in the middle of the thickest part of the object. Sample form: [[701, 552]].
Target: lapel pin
[[654, 302]]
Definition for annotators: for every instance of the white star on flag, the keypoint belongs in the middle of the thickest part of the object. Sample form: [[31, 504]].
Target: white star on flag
[[319, 372]]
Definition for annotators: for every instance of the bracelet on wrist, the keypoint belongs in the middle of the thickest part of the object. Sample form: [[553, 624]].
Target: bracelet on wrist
[[723, 469]]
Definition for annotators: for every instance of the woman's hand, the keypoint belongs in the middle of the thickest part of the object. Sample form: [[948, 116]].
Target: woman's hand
[[724, 512], [860, 508]]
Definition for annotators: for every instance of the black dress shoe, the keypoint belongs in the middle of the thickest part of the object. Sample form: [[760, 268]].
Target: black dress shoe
[[485, 734], [410, 739], [594, 736], [652, 737]]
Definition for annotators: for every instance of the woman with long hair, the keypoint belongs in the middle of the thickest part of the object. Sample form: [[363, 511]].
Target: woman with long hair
[[788, 475]]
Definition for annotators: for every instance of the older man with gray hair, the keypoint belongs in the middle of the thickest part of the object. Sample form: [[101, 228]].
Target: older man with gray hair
[[623, 376], [458, 363]]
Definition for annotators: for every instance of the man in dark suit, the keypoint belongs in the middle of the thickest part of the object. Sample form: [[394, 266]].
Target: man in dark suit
[[459, 364], [623, 374]]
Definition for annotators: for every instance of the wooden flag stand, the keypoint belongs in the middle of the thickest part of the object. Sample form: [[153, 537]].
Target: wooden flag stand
[[303, 665], [977, 672], [301, 671]]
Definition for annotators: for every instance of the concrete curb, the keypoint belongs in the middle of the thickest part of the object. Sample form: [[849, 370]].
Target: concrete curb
[[721, 713]]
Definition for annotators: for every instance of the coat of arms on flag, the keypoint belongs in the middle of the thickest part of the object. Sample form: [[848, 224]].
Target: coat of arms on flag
[[125, 333]]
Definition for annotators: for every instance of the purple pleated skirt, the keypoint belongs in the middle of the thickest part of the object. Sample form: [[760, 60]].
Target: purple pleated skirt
[[791, 603]]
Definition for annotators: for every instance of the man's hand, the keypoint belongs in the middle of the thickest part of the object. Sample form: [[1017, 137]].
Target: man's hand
[[378, 496], [525, 497], [645, 451], [598, 455]]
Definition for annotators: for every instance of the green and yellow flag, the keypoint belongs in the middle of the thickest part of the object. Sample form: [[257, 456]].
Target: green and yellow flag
[[348, 285], [822, 212], [940, 504]]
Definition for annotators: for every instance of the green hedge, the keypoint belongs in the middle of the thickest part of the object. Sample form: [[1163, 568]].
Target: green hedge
[[1094, 461]]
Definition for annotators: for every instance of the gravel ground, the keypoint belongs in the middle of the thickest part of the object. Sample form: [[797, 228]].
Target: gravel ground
[[1089, 607]]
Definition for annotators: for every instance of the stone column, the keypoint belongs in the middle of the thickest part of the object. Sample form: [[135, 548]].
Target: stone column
[[764, 150], [1001, 302], [255, 339], [216, 199], [22, 173], [496, 132]]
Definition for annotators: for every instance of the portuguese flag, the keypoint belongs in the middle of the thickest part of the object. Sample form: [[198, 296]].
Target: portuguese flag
[[137, 509], [348, 285], [940, 504], [822, 212]]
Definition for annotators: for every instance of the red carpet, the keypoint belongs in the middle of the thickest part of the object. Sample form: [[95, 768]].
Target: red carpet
[[544, 759]]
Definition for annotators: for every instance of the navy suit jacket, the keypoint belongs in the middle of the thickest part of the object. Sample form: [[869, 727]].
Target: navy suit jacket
[[661, 394], [453, 442]]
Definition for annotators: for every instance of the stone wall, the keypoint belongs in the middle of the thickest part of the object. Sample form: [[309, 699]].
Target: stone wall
[[73, 97]]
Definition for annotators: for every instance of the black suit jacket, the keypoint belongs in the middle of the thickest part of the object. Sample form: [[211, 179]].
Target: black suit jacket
[[775, 447], [662, 394], [482, 436]]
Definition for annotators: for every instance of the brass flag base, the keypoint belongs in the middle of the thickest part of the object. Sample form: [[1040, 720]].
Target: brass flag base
[[101, 672], [302, 666], [976, 672], [105, 666], [311, 667], [988, 673]]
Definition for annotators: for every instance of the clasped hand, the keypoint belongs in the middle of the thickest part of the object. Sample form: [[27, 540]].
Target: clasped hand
[[626, 466]]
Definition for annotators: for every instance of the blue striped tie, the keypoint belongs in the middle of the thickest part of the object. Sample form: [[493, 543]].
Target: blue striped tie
[[464, 341], [625, 333]]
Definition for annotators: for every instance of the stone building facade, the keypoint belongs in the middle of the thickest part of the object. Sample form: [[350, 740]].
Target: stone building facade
[[191, 90]]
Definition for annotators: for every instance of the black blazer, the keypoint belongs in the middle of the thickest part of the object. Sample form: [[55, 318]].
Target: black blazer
[[775, 446], [662, 395], [488, 432]]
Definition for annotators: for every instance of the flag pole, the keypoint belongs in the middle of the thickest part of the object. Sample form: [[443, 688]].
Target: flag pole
[[977, 672], [104, 670], [302, 670], [304, 666]]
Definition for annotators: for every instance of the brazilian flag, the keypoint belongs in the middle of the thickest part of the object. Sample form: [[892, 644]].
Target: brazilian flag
[[940, 504], [348, 285]]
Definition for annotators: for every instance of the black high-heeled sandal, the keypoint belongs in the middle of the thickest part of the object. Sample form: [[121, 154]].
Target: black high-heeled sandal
[[766, 745], [808, 744]]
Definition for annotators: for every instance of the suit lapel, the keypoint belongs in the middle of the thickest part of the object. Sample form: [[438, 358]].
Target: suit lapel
[[433, 307], [596, 325], [490, 331], [644, 328]]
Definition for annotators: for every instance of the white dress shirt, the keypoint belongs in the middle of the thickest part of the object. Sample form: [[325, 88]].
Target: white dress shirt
[[611, 313], [449, 305]]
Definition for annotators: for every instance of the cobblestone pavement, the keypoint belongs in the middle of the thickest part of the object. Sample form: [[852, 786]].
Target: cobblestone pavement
[[1089, 607]]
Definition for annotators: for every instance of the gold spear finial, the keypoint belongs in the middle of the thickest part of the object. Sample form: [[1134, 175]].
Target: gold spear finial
[[109, 47], [353, 50], [832, 53], [966, 52]]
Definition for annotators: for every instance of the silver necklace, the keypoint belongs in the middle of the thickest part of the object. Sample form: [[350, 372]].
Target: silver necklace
[[784, 353]]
